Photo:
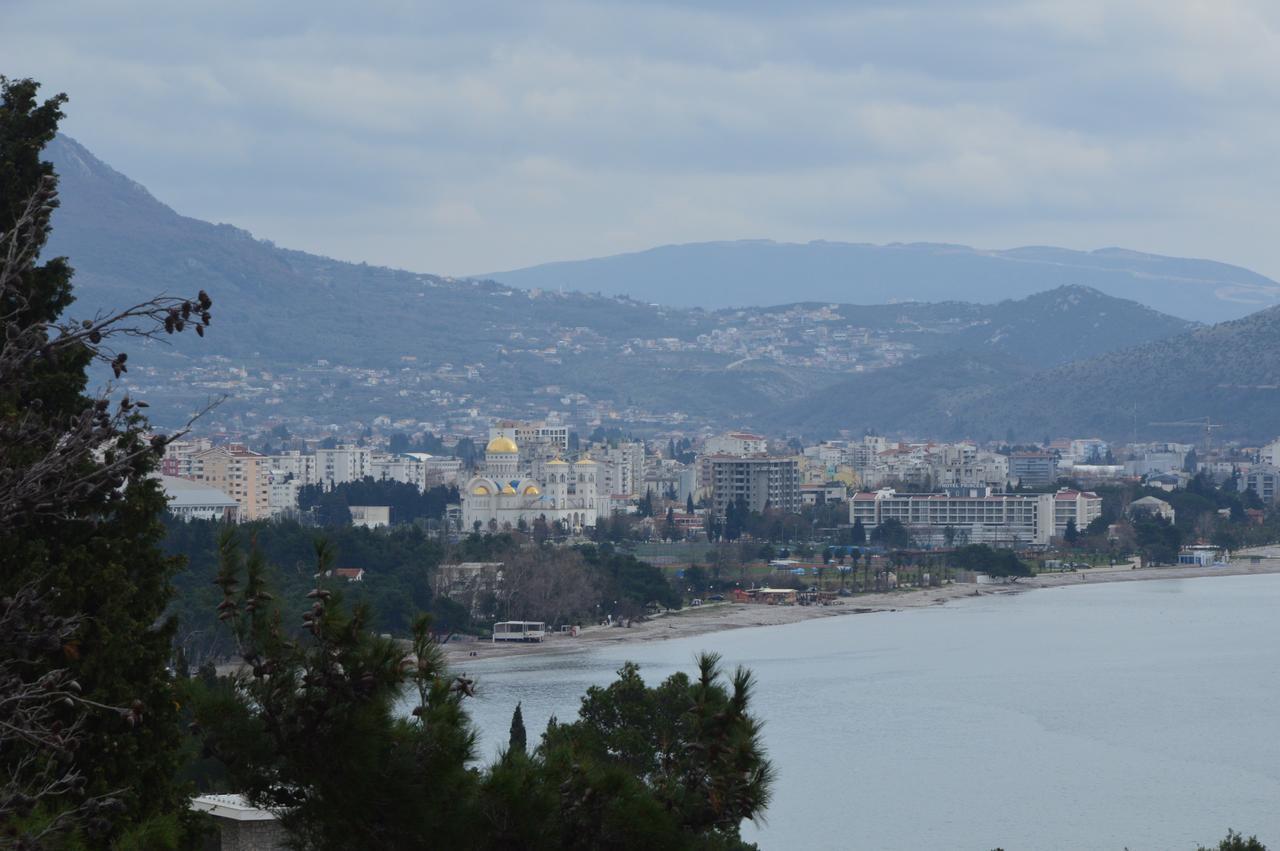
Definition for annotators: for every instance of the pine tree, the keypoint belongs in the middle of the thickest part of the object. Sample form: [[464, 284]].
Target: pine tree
[[688, 503], [79, 531], [518, 743]]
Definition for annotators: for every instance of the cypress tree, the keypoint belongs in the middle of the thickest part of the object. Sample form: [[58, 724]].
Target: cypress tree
[[858, 536], [519, 740]]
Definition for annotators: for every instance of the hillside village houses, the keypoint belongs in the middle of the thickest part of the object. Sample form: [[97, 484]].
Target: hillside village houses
[[532, 471]]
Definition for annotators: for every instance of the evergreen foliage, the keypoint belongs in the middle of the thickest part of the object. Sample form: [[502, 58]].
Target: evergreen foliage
[[407, 502], [1236, 842], [518, 740], [992, 561], [314, 726], [82, 576], [858, 536], [891, 533], [398, 565]]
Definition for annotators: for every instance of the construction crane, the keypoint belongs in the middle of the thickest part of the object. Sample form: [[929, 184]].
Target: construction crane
[[1207, 424]]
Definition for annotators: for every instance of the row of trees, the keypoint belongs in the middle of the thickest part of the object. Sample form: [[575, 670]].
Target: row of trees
[[331, 508]]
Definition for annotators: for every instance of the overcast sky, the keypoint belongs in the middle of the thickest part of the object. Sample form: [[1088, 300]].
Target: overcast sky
[[472, 137]]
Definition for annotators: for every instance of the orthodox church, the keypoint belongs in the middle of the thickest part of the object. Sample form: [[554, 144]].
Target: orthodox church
[[499, 497]]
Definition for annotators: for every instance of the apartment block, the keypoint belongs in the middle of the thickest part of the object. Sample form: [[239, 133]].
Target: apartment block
[[998, 519], [1263, 481], [240, 474], [346, 463], [1033, 469], [756, 480]]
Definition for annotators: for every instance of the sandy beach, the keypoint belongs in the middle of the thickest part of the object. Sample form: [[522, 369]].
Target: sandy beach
[[715, 617]]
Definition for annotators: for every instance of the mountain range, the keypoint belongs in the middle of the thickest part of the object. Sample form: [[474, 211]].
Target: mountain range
[[336, 342], [753, 272]]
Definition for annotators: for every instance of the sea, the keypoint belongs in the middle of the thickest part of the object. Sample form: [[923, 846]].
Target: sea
[[1138, 715]]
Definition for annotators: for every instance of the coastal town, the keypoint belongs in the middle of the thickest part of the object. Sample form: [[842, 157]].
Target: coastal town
[[735, 516], [611, 426]]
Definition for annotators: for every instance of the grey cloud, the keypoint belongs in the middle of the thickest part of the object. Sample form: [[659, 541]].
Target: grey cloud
[[457, 138]]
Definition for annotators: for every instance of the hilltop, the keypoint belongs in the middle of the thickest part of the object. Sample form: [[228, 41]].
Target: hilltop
[[753, 272]]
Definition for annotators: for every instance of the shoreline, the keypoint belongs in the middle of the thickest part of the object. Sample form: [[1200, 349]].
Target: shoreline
[[718, 617]]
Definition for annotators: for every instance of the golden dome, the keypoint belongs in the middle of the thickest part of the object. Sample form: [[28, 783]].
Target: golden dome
[[532, 490], [558, 463], [480, 490], [507, 489], [585, 461], [502, 444]]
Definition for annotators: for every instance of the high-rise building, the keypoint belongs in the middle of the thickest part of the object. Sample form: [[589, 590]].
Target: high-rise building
[[1033, 469], [346, 463], [757, 480]]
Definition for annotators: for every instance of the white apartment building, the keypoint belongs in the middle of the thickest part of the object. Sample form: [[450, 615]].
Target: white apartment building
[[1153, 459], [965, 466], [408, 468], [736, 443], [302, 468], [346, 463], [282, 493], [1270, 454], [442, 471], [622, 468], [997, 519], [668, 476]]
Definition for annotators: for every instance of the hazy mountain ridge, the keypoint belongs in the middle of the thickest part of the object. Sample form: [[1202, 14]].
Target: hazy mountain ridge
[[752, 272], [1229, 372], [279, 311]]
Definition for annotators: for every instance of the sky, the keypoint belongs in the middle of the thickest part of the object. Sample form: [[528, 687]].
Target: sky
[[463, 138]]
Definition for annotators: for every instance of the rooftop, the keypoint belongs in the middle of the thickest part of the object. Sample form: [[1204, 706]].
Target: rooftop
[[184, 492]]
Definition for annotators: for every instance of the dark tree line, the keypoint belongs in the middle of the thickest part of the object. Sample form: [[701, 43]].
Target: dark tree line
[[408, 504]]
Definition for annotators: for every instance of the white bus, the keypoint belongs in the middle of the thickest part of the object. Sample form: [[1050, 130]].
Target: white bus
[[519, 631]]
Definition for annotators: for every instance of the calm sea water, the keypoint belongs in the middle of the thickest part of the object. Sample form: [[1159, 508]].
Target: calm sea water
[[1138, 714]]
